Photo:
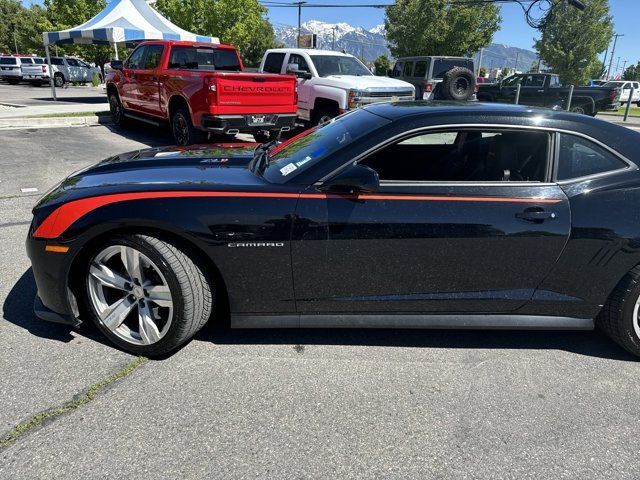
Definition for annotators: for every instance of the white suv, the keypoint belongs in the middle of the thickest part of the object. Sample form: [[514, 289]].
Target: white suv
[[330, 83], [70, 69], [11, 67]]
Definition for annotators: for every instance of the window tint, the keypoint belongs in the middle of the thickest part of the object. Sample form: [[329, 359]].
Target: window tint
[[465, 155], [152, 60], [512, 81], [135, 60], [72, 62], [38, 61], [8, 61], [420, 70], [533, 81], [443, 65], [580, 157], [26, 61], [408, 69], [57, 61], [273, 63], [300, 61], [210, 59], [328, 65], [397, 69], [554, 81]]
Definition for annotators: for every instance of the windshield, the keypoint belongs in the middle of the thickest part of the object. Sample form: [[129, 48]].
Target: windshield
[[327, 65], [613, 84], [8, 61], [301, 152]]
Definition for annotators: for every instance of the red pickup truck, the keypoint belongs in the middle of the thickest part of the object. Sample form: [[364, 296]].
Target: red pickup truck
[[200, 89]]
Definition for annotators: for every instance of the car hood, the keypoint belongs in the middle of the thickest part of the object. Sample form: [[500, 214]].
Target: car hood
[[169, 167], [365, 82]]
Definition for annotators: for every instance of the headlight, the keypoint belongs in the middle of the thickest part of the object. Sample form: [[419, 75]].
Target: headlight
[[354, 98]]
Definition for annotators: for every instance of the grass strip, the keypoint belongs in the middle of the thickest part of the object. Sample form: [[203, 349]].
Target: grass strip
[[82, 399]]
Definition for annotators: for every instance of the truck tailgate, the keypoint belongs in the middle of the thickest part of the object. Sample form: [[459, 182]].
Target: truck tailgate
[[255, 90]]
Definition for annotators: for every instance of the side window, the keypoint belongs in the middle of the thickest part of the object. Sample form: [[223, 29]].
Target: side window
[[72, 62], [152, 59], [300, 61], [465, 155], [273, 63], [580, 157], [135, 60], [420, 70], [408, 69], [536, 81], [397, 69]]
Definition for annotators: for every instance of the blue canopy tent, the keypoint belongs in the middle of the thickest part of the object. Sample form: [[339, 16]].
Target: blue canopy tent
[[123, 22]]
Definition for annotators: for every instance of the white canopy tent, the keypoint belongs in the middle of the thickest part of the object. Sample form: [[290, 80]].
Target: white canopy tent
[[121, 22]]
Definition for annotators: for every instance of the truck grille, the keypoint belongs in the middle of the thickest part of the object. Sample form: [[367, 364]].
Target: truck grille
[[403, 93]]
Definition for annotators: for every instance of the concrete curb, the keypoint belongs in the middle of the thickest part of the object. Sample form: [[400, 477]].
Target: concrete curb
[[53, 122]]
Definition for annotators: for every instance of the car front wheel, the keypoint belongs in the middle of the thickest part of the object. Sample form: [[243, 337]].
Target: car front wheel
[[145, 294], [620, 317], [116, 109], [58, 80]]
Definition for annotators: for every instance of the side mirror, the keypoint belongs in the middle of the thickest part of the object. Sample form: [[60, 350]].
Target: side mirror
[[117, 65], [353, 179]]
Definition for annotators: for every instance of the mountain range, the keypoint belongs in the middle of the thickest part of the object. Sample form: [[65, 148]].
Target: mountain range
[[372, 43]]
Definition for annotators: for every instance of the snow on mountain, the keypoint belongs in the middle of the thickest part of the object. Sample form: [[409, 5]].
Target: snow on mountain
[[378, 29]]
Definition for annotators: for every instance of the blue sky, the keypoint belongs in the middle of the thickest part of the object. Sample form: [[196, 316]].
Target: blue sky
[[514, 29]]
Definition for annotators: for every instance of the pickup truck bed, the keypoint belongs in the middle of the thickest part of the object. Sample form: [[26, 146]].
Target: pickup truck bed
[[199, 89]]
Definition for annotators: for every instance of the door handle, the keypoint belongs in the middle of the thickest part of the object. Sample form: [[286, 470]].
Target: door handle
[[535, 215]]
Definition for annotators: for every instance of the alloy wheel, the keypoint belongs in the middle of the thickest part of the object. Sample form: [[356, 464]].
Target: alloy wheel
[[116, 110], [180, 130], [130, 295]]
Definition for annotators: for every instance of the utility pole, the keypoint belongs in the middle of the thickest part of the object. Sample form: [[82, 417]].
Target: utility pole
[[604, 62], [480, 62], [613, 51], [616, 70], [624, 64], [333, 44], [15, 42], [538, 69], [299, 20], [516, 67]]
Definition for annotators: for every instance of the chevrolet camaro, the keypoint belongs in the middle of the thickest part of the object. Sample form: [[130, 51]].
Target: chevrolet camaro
[[396, 215]]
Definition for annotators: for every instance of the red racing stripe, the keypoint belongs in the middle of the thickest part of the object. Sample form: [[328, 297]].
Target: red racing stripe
[[64, 216]]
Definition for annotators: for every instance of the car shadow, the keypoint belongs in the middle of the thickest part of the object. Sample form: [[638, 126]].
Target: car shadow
[[92, 99], [144, 133], [18, 309]]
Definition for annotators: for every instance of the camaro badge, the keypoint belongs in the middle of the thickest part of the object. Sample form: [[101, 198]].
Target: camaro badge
[[255, 244]]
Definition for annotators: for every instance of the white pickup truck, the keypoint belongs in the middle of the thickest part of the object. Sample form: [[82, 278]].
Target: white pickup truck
[[330, 83], [65, 69]]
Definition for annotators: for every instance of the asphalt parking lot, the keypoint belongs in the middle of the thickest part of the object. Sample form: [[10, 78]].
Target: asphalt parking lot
[[291, 404]]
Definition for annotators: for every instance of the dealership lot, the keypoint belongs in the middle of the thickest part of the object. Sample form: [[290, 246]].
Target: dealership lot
[[326, 403]]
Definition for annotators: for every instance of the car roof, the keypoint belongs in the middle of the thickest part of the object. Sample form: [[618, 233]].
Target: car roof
[[187, 43], [308, 51]]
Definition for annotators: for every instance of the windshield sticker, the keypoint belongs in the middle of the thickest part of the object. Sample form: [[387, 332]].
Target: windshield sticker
[[303, 161], [288, 169]]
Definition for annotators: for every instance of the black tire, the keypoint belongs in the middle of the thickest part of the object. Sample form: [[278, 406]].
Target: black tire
[[265, 137], [58, 80], [617, 318], [581, 109], [184, 133], [117, 110], [324, 114], [194, 297], [458, 84]]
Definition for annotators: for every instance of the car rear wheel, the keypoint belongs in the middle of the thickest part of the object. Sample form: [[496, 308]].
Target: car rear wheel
[[184, 133], [146, 295], [620, 317], [58, 80], [581, 109]]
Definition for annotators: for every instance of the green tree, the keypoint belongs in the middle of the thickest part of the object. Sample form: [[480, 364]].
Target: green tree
[[504, 72], [438, 27], [10, 13], [482, 72], [571, 39], [632, 72], [381, 65], [242, 23]]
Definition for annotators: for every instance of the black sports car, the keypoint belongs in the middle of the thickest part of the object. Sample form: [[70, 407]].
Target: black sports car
[[421, 215]]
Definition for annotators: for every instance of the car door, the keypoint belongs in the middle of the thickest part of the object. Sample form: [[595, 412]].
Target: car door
[[419, 77], [465, 220], [532, 91], [305, 85], [85, 71], [508, 88], [74, 70], [129, 92], [147, 80]]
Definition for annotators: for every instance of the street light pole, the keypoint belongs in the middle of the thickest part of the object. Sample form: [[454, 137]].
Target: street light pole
[[616, 70], [613, 52]]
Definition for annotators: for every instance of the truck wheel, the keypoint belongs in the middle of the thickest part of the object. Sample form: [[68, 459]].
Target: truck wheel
[[116, 108], [458, 84], [324, 115], [581, 109], [58, 80], [184, 133]]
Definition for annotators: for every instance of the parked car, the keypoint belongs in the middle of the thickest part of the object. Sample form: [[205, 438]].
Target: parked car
[[72, 69], [407, 214], [11, 67], [596, 83], [200, 89], [331, 83], [545, 90], [438, 78], [625, 88], [35, 73]]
